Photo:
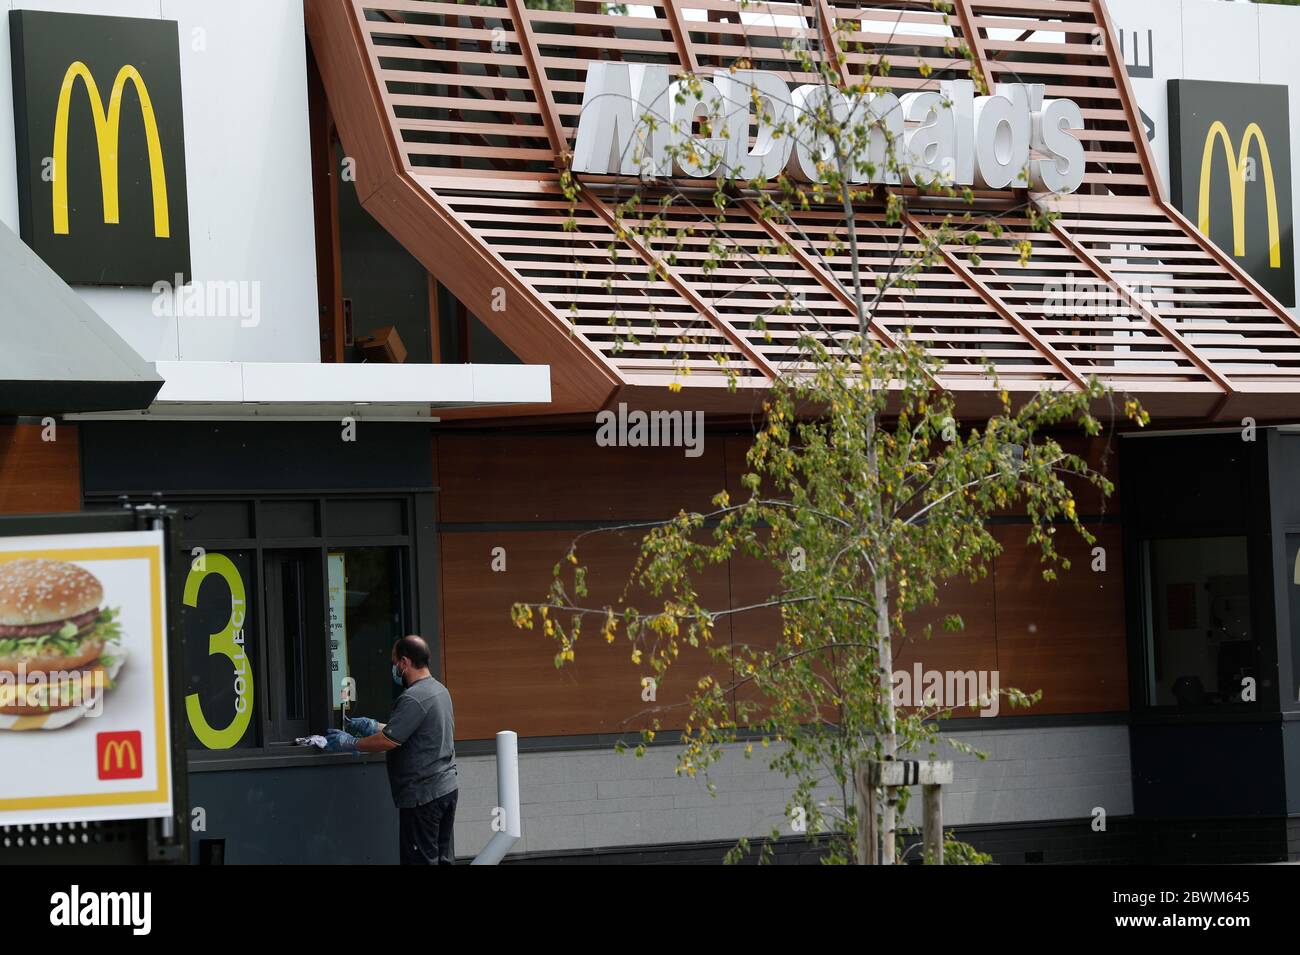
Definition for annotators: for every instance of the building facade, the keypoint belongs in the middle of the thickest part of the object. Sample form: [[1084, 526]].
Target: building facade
[[390, 336]]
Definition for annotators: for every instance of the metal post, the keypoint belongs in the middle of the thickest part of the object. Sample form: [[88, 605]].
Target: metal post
[[507, 801], [168, 837]]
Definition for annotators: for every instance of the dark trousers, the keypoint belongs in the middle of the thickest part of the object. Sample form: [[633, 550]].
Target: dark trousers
[[425, 832]]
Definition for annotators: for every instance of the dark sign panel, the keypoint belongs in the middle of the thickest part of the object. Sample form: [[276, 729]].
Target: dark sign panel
[[220, 669], [1230, 166], [101, 146]]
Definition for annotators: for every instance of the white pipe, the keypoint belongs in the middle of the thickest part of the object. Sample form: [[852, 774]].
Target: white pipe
[[507, 800]]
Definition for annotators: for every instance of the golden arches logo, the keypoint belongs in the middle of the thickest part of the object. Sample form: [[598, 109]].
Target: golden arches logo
[[107, 130], [1237, 182], [120, 750]]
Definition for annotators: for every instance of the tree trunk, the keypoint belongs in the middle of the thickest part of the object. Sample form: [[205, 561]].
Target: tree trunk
[[889, 744]]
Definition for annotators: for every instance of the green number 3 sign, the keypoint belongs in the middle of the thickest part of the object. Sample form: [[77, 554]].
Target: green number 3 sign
[[229, 643]]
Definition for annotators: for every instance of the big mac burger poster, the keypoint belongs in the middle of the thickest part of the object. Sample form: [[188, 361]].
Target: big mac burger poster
[[83, 678]]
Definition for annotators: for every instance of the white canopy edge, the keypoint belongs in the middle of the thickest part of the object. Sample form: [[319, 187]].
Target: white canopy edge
[[312, 391]]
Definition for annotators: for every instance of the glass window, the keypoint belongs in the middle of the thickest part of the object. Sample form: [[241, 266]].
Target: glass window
[[1293, 598], [1202, 648], [365, 518], [220, 650], [287, 519], [294, 642], [293, 624], [367, 605], [217, 520]]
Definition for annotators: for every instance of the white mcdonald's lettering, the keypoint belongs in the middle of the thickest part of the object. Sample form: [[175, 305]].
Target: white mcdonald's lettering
[[633, 116]]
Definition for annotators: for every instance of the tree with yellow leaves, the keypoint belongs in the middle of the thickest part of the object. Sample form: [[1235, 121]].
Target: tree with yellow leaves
[[863, 492]]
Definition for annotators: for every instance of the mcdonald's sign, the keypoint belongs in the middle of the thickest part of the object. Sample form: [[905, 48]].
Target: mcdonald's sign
[[101, 146], [1230, 173], [119, 755]]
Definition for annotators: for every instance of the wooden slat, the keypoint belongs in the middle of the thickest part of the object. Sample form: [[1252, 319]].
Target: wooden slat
[[787, 242], [974, 42], [681, 36], [995, 302], [537, 78], [1155, 187], [831, 43], [1230, 265], [688, 294], [1151, 315]]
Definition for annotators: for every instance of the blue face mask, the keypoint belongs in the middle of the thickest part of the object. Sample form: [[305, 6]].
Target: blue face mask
[[397, 677]]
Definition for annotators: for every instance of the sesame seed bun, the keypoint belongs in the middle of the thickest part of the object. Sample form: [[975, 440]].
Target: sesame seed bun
[[46, 591]]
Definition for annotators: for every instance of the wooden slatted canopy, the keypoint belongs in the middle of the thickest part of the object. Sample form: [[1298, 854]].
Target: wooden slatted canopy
[[460, 117]]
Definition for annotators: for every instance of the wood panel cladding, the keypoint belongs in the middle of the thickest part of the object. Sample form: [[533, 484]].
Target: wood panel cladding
[[753, 583], [38, 476], [502, 677], [1066, 637], [510, 478], [973, 647], [1101, 454]]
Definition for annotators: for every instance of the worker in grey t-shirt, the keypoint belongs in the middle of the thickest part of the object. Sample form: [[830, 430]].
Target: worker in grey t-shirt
[[419, 740]]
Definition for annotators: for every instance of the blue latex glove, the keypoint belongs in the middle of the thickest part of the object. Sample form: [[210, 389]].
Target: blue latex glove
[[361, 726], [338, 741]]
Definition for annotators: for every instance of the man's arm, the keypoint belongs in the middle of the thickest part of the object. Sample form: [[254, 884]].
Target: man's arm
[[378, 743], [404, 721]]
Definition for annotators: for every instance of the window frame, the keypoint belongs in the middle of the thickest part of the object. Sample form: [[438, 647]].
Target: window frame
[[417, 510], [1210, 484]]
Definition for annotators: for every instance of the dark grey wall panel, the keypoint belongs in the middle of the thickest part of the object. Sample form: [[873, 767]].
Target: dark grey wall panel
[[1206, 770], [1286, 502], [1199, 484], [340, 813], [1291, 755], [119, 456]]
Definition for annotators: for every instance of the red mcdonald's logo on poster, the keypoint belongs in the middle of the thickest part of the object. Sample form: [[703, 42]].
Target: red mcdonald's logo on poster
[[119, 755]]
